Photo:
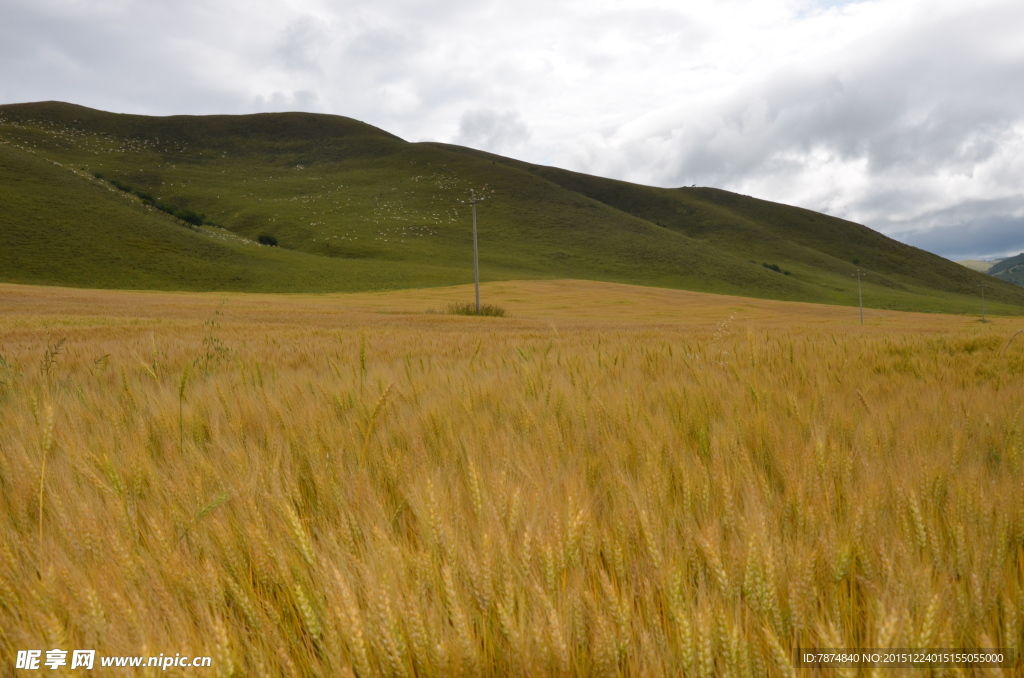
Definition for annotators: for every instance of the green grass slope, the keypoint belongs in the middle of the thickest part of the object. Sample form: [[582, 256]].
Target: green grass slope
[[1010, 270], [61, 226], [356, 208]]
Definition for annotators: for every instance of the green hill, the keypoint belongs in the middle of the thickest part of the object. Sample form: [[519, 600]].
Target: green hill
[[96, 199], [1011, 270]]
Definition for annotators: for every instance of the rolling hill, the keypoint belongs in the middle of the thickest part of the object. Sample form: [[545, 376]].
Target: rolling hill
[[95, 199], [979, 265], [1011, 269]]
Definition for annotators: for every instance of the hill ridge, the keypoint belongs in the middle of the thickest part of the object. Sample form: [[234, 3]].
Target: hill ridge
[[355, 207]]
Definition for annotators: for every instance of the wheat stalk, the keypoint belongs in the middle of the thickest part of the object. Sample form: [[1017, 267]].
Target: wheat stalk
[[202, 513], [46, 444], [369, 424]]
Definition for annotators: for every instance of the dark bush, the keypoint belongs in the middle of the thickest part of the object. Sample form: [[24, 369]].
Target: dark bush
[[775, 267], [470, 309], [266, 239], [190, 217]]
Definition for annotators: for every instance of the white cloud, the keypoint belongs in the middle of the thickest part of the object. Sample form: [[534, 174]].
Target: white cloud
[[491, 130]]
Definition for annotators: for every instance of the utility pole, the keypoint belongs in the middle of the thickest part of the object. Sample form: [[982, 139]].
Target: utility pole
[[860, 298], [473, 200], [983, 302], [476, 255]]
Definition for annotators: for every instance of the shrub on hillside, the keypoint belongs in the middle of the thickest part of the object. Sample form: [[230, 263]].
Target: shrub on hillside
[[775, 267], [190, 217], [266, 239], [470, 309]]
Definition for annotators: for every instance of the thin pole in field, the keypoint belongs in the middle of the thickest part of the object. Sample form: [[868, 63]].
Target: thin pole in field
[[473, 200], [476, 255], [983, 302], [860, 298]]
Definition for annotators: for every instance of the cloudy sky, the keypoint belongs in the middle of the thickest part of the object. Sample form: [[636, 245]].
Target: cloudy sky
[[904, 115]]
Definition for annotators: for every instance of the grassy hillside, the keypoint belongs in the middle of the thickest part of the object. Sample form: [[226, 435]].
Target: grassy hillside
[[1011, 269], [62, 226], [355, 208], [816, 248]]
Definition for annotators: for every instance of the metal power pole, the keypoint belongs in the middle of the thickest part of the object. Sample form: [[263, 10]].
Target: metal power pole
[[476, 256], [983, 303], [860, 298]]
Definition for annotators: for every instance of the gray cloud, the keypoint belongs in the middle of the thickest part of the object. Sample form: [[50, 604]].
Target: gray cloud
[[146, 59], [907, 112], [279, 102], [912, 120], [969, 230], [981, 238], [492, 130], [302, 44]]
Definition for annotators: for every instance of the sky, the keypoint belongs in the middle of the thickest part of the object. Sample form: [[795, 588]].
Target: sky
[[903, 115]]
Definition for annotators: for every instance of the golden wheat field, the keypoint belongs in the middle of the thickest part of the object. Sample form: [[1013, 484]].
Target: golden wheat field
[[611, 481]]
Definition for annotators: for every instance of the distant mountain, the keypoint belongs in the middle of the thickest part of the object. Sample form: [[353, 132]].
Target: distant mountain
[[96, 199], [1011, 270], [979, 265]]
